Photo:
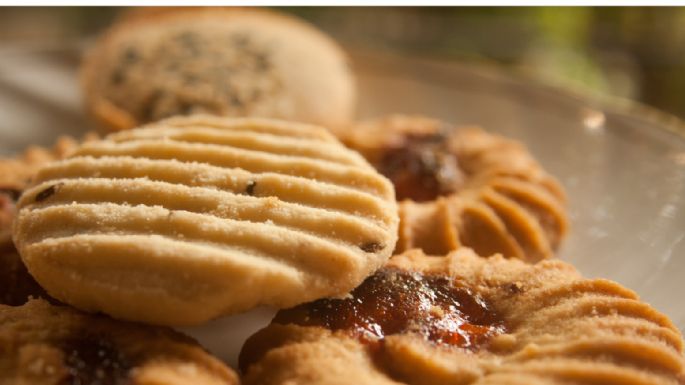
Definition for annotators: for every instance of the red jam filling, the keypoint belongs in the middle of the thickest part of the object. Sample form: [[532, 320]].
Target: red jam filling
[[395, 302], [422, 169]]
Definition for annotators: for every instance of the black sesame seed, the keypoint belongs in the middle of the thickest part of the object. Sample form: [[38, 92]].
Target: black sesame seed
[[249, 190], [48, 192], [372, 247]]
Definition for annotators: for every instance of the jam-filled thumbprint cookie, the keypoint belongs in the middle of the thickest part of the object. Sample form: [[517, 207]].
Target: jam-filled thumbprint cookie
[[465, 319], [462, 186], [42, 344]]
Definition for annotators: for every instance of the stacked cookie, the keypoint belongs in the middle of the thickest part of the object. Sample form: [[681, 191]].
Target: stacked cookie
[[172, 223], [375, 243]]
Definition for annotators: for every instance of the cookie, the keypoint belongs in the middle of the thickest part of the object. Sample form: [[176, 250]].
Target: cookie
[[464, 319], [220, 61], [45, 344], [464, 187], [15, 174], [194, 217]]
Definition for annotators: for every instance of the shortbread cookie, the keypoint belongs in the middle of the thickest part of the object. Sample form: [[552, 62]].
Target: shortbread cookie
[[219, 61], [45, 344], [195, 217], [16, 284], [464, 187], [463, 319], [16, 173]]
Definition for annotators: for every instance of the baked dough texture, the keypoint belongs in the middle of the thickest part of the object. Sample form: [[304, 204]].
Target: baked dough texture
[[464, 319], [194, 217], [42, 344], [16, 173], [16, 284], [219, 61], [464, 187]]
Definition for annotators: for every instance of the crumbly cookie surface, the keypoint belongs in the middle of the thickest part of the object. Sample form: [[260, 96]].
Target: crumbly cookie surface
[[190, 218], [45, 344], [464, 319], [232, 62], [464, 187], [15, 174]]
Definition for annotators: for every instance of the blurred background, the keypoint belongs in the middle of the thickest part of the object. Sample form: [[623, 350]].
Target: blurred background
[[630, 52]]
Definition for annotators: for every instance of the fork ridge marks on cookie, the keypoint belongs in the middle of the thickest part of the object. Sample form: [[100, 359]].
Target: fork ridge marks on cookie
[[464, 187], [190, 218], [555, 327], [15, 174]]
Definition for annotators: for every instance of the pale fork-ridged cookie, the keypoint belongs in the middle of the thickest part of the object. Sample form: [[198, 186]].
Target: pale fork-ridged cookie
[[190, 218], [16, 173]]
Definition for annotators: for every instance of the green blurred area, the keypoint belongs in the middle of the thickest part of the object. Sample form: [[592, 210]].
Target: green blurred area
[[631, 52]]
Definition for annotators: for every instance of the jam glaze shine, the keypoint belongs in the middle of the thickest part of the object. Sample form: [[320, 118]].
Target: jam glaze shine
[[398, 302], [422, 168]]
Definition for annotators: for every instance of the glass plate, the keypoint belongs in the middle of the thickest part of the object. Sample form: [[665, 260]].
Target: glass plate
[[623, 165]]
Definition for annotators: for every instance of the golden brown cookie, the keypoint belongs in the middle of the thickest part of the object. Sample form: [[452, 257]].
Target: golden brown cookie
[[220, 61], [42, 344], [16, 284], [464, 319], [16, 173], [194, 217], [464, 187]]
